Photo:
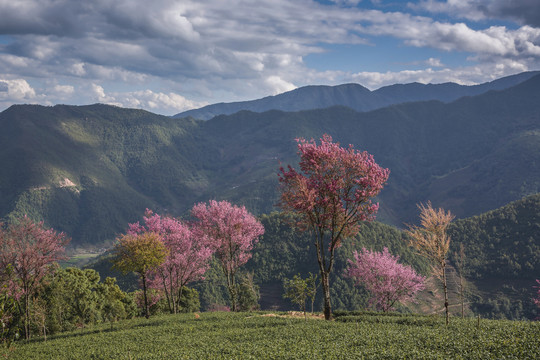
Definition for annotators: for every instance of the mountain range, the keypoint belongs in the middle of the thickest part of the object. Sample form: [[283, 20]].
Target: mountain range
[[89, 170], [356, 97]]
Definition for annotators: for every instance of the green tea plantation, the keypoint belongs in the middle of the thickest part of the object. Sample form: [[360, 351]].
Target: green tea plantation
[[260, 335]]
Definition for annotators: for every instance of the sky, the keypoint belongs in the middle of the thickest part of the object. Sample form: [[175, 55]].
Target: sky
[[168, 56]]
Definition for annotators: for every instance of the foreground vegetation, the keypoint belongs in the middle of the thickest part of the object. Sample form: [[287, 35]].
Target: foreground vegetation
[[267, 336]]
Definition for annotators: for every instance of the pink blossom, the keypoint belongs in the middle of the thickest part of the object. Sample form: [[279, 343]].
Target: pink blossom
[[188, 259], [387, 280], [231, 231], [336, 186]]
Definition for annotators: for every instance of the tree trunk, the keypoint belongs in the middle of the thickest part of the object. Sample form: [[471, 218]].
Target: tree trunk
[[172, 291], [26, 315], [325, 281], [179, 299], [231, 286], [445, 291], [146, 308], [170, 302], [461, 296]]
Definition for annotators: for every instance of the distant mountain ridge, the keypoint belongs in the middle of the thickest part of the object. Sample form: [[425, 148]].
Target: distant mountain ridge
[[356, 97]]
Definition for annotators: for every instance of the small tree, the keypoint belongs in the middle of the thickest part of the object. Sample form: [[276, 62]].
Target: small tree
[[331, 195], [248, 293], [232, 231], [8, 330], [298, 290], [190, 301], [140, 253], [431, 241], [151, 301], [28, 249], [386, 279], [312, 286], [187, 260], [113, 301]]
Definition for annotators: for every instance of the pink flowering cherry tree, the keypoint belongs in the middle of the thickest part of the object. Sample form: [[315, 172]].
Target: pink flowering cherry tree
[[331, 196], [187, 260], [27, 249], [232, 231], [388, 281]]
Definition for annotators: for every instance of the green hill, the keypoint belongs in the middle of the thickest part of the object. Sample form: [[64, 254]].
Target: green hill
[[89, 170], [502, 250]]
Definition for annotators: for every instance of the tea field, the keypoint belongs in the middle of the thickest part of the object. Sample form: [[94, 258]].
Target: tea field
[[218, 335]]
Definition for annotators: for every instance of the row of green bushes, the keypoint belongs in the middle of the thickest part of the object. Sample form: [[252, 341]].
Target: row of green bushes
[[72, 298]]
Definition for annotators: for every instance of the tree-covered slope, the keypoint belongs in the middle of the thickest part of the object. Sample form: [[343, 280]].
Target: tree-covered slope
[[90, 170], [502, 260], [503, 243], [470, 156]]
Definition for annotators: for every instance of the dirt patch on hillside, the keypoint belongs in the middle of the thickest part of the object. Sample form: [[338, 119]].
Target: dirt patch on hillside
[[294, 314]]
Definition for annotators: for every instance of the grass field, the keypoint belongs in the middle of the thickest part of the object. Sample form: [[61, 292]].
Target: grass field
[[79, 260], [217, 335]]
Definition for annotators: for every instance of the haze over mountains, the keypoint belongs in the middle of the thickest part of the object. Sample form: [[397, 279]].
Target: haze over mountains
[[356, 97], [89, 170]]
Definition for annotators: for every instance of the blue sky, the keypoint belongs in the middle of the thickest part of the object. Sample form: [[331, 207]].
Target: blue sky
[[167, 56]]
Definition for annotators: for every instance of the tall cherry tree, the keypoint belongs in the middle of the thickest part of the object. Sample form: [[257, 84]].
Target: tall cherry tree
[[384, 277], [187, 260], [27, 249], [331, 196], [232, 231]]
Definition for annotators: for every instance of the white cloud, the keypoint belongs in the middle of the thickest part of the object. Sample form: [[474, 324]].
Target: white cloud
[[147, 99], [63, 90], [464, 75], [77, 69], [99, 92], [17, 90], [278, 85], [167, 103], [433, 62]]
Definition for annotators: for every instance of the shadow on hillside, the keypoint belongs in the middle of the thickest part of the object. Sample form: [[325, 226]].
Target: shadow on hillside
[[90, 331], [83, 332]]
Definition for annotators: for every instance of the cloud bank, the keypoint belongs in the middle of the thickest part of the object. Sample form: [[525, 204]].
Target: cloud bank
[[167, 56]]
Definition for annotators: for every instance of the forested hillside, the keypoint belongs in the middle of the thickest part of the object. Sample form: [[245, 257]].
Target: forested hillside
[[90, 170], [502, 257], [495, 243]]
